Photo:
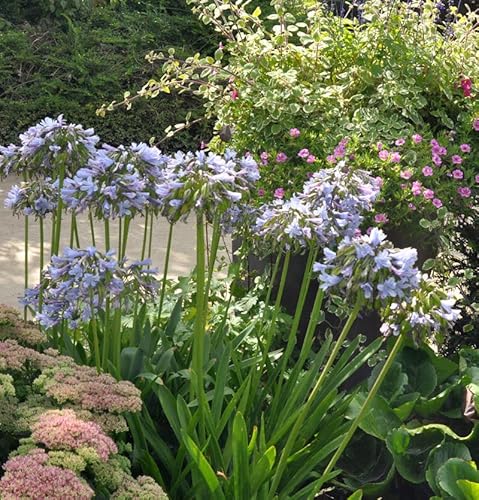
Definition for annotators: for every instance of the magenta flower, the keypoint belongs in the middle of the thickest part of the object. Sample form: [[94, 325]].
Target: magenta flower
[[330, 159], [437, 160], [428, 194], [427, 171], [475, 124], [281, 157], [456, 159], [458, 174], [477, 179], [466, 85], [234, 94], [395, 157], [279, 193], [406, 174], [465, 148], [380, 146], [400, 142], [434, 143], [311, 159], [294, 132], [261, 192], [465, 192], [383, 154], [264, 156], [411, 206], [381, 219], [416, 188], [416, 138], [437, 202], [379, 181], [304, 153]]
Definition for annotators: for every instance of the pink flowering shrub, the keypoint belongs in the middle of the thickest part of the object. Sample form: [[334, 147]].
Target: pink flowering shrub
[[12, 326]]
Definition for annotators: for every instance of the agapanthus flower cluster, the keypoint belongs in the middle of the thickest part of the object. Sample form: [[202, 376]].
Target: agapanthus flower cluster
[[31, 477], [76, 285], [204, 182], [430, 310], [49, 146], [329, 209], [83, 386], [63, 430], [38, 197], [110, 186], [369, 268]]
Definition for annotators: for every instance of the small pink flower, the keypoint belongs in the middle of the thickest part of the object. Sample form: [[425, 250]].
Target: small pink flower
[[428, 194], [465, 148], [458, 174], [203, 145], [379, 182], [465, 192], [264, 157], [437, 202], [380, 146], [437, 160], [406, 174], [304, 153], [416, 188], [261, 192], [442, 151], [357, 233], [395, 157], [383, 154], [434, 142], [412, 206], [466, 85], [403, 186], [311, 159], [279, 193], [234, 94], [427, 171], [477, 179], [330, 159], [294, 132], [475, 124], [381, 219], [456, 159], [416, 138], [400, 142], [281, 158]]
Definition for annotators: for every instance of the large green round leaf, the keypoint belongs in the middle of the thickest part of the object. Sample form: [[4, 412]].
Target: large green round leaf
[[453, 470]]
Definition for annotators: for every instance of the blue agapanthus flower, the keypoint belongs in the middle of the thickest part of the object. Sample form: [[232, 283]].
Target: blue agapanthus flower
[[76, 285], [37, 197]]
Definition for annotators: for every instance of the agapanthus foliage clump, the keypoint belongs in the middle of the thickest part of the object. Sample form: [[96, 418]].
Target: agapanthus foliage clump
[[76, 285], [47, 147], [205, 182], [38, 197]]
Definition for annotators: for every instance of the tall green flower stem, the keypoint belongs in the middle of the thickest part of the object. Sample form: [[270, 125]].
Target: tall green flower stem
[[42, 245], [215, 240], [96, 343], [364, 409], [200, 322], [107, 234], [106, 336], [272, 281], [92, 229], [25, 310], [150, 241], [115, 339], [145, 235], [165, 271], [58, 215], [293, 435], [74, 238], [126, 230]]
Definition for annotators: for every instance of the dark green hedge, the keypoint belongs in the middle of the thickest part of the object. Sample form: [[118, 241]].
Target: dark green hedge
[[73, 64]]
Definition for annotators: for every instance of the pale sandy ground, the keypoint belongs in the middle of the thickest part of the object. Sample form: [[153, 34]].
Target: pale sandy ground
[[12, 248]]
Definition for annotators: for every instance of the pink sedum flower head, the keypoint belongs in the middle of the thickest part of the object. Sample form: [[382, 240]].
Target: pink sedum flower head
[[465, 148], [383, 154], [458, 174], [294, 133], [437, 202], [427, 171], [279, 193], [381, 219], [311, 159], [304, 153], [456, 159], [475, 124], [416, 138], [400, 142], [281, 157], [30, 477], [405, 174], [465, 192], [428, 194]]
